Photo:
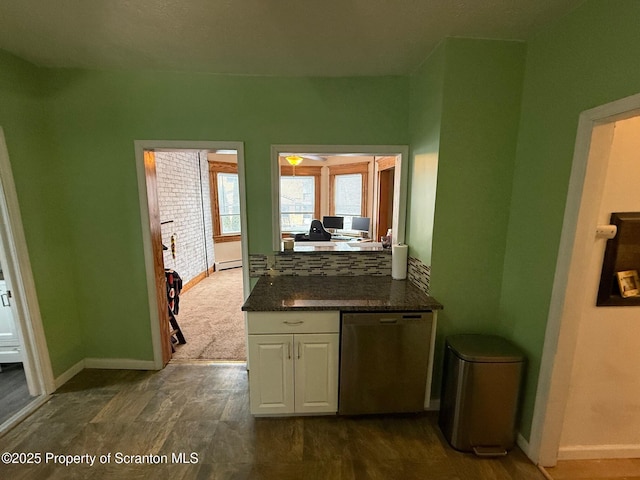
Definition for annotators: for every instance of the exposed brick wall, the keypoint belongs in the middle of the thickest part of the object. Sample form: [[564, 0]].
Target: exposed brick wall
[[181, 199]]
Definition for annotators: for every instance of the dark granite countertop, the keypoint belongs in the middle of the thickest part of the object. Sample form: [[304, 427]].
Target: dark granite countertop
[[359, 293]]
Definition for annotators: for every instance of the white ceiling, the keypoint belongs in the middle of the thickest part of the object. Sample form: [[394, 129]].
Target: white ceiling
[[259, 37]]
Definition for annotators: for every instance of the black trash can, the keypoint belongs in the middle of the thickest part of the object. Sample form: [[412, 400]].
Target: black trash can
[[480, 390]]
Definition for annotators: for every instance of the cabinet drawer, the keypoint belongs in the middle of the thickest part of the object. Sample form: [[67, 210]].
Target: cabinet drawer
[[10, 354], [293, 322]]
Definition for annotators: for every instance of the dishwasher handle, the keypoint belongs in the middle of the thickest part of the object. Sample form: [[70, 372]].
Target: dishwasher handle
[[388, 321]]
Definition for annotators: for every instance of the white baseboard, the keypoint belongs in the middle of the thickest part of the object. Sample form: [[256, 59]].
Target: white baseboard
[[523, 444], [590, 452], [119, 364], [69, 374], [107, 363]]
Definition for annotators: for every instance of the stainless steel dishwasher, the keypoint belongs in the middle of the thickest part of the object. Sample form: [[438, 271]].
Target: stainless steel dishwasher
[[384, 361]]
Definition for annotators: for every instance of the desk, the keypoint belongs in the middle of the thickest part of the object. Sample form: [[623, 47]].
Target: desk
[[339, 246]]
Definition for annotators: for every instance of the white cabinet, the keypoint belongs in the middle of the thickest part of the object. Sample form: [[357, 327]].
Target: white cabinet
[[294, 362], [9, 341], [271, 374], [316, 372]]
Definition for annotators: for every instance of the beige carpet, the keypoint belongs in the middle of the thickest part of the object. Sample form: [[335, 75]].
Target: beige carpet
[[211, 319]]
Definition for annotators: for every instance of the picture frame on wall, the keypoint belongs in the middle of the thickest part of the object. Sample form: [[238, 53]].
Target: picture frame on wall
[[629, 283]]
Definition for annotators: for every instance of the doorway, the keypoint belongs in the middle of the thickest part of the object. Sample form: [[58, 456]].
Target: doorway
[[199, 202], [386, 167], [26, 377], [189, 216], [562, 394]]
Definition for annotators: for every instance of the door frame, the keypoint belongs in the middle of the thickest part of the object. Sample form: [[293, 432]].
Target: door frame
[[382, 193], [561, 335], [25, 307], [147, 201]]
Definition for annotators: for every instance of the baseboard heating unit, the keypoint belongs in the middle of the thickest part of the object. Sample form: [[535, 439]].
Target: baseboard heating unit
[[228, 264]]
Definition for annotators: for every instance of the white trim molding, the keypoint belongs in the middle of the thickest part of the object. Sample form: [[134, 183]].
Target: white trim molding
[[105, 363], [18, 272], [562, 323], [523, 444], [69, 374], [590, 452], [119, 364]]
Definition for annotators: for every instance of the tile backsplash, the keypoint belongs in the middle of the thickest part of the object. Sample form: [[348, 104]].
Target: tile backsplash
[[336, 264], [419, 274], [324, 264]]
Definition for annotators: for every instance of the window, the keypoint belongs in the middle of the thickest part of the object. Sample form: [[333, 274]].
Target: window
[[348, 191], [225, 201], [299, 198], [395, 197], [228, 203]]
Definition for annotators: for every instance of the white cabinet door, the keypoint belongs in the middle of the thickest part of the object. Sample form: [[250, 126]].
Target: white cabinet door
[[316, 372], [271, 375], [8, 332]]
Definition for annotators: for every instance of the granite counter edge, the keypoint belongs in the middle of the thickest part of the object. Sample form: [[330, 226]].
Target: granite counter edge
[[344, 308]]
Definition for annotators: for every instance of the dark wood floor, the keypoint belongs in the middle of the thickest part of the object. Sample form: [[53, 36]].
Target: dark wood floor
[[14, 394], [204, 409]]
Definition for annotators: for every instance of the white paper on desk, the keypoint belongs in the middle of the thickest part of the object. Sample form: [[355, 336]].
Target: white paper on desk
[[314, 244], [365, 244]]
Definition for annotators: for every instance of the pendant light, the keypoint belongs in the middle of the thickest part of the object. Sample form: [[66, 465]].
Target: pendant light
[[293, 161]]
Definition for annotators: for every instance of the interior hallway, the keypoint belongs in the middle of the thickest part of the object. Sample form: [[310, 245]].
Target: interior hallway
[[204, 408], [211, 319]]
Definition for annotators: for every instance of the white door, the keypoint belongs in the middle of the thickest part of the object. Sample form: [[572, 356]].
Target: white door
[[8, 332], [271, 375], [10, 350], [316, 372]]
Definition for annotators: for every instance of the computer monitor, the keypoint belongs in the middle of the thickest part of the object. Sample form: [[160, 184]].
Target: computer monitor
[[333, 222], [360, 223]]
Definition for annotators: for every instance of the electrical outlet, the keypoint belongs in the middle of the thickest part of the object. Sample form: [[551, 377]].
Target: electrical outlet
[[271, 262]]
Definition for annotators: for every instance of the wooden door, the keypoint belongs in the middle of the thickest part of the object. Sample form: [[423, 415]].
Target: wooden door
[[385, 203], [158, 260]]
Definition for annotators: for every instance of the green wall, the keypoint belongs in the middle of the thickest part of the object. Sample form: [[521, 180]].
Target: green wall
[[42, 194], [499, 203], [95, 118], [427, 89], [587, 59], [468, 118]]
